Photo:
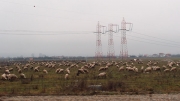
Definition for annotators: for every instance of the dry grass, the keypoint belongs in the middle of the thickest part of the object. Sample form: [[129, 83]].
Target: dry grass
[[152, 97]]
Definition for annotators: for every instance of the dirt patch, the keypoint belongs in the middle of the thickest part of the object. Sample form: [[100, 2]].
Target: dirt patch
[[153, 97]]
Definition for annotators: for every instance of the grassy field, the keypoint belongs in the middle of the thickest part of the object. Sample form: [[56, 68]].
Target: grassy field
[[123, 82]]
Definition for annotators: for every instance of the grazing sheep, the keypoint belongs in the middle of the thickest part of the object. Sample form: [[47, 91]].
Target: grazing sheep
[[23, 76], [61, 71], [102, 75], [135, 60], [80, 71], [173, 69], [68, 71], [11, 76], [148, 69], [7, 71], [164, 67], [36, 69], [170, 64], [117, 66], [4, 76], [66, 76], [83, 67], [86, 71], [156, 68], [18, 67], [53, 65], [92, 65], [57, 70], [19, 71], [142, 68], [45, 71], [166, 70], [121, 68], [155, 63], [129, 69], [103, 68], [25, 68], [135, 69]]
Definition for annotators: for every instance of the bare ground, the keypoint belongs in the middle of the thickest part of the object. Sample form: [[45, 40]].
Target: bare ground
[[152, 97]]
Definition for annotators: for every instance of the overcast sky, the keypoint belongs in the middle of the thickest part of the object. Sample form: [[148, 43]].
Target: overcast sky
[[66, 27]]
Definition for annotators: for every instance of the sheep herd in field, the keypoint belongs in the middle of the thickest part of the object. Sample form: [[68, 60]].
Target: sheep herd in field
[[81, 67]]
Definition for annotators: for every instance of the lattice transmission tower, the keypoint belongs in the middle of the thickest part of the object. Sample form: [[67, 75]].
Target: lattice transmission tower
[[124, 50], [99, 53], [111, 51]]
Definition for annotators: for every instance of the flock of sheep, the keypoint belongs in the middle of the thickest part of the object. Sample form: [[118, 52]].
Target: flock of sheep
[[83, 68]]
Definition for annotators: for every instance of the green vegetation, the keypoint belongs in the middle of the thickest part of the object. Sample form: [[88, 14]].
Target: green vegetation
[[123, 82]]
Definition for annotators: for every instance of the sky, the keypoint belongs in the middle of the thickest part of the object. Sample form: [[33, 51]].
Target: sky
[[66, 27]]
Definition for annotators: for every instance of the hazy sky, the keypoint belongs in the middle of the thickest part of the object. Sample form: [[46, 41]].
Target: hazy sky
[[66, 27]]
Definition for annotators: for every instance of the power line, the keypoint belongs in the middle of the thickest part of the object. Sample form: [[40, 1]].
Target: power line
[[152, 40], [33, 31], [29, 32], [152, 43], [154, 37], [42, 34]]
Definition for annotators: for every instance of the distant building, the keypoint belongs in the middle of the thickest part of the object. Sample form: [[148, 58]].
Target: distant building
[[161, 55], [168, 55]]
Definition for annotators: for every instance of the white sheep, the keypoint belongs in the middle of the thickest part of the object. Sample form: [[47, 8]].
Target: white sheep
[[25, 68], [80, 71], [4, 76], [166, 70], [61, 71], [17, 67], [11, 76], [129, 69], [117, 66], [121, 68], [102, 75], [142, 68], [103, 68], [66, 76], [57, 70], [164, 67], [22, 75], [19, 71], [135, 69], [68, 71], [173, 69], [36, 69], [157, 68], [148, 69], [7, 71], [86, 71], [45, 71]]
